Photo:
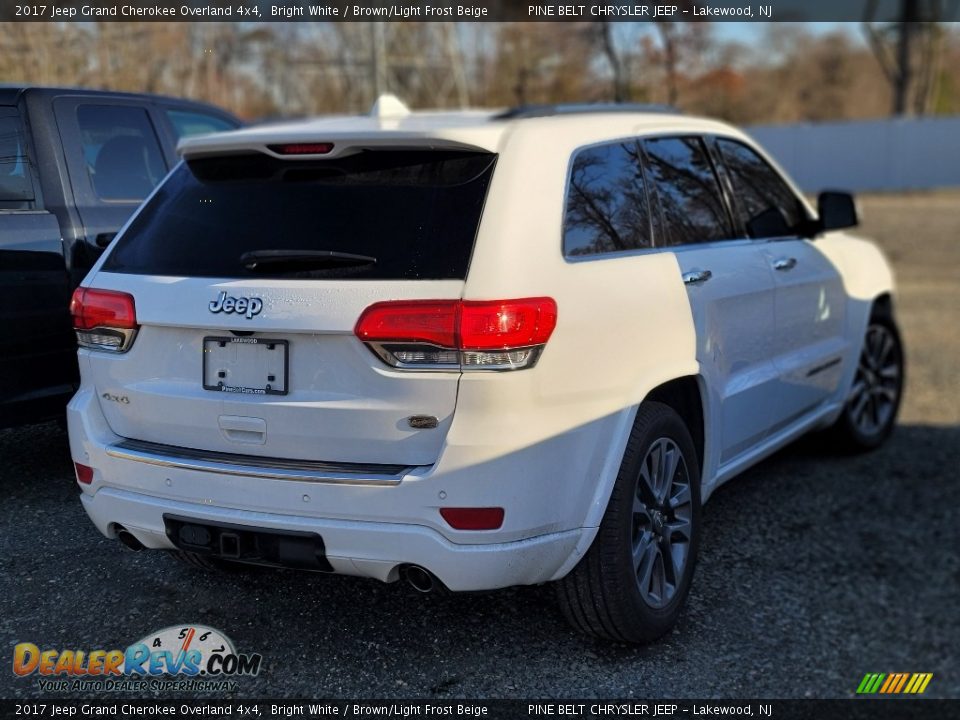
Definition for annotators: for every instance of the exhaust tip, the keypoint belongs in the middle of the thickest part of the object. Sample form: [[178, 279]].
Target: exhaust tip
[[420, 579], [128, 539]]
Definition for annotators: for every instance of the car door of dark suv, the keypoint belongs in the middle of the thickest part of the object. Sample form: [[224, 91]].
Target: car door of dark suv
[[38, 370], [115, 157]]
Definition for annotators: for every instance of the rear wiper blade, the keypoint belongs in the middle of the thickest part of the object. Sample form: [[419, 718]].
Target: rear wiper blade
[[293, 260]]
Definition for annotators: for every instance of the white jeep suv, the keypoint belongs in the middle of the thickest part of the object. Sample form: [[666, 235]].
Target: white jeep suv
[[472, 350]]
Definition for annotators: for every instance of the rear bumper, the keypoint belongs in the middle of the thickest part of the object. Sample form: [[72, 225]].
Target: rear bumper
[[368, 549], [369, 526]]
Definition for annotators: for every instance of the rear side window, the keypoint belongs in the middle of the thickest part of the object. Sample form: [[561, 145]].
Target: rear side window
[[121, 151], [16, 185], [690, 195], [607, 208], [415, 213], [187, 124], [766, 205]]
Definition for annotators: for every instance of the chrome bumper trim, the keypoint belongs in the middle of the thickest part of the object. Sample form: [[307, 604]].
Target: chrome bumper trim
[[260, 467]]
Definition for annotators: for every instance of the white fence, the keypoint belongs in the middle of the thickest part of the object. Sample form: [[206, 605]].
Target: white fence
[[891, 154]]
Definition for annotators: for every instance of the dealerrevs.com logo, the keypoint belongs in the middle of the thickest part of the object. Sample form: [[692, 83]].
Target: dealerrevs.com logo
[[180, 657]]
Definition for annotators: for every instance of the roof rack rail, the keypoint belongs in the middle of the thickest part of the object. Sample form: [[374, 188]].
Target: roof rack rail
[[536, 111]]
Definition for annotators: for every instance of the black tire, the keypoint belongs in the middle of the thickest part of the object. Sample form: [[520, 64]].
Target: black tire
[[870, 413], [603, 595]]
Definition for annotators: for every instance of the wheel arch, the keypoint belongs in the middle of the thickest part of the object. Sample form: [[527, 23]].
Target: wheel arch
[[684, 394]]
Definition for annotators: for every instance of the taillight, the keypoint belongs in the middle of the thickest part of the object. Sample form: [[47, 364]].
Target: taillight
[[84, 473], [464, 334], [103, 319]]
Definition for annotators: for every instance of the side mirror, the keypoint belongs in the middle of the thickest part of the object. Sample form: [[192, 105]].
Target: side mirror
[[837, 210]]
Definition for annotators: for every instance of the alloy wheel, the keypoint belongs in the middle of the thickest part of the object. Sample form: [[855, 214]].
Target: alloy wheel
[[662, 522], [876, 386]]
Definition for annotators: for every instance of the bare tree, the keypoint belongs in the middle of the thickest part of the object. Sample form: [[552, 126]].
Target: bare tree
[[908, 51]]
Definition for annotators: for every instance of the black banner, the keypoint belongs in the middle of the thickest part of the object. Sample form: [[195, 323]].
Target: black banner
[[854, 709], [471, 11]]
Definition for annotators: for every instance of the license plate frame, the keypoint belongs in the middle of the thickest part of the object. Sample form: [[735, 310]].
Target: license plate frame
[[211, 380]]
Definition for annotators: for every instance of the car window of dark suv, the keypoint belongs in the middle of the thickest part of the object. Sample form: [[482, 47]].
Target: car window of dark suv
[[121, 151], [765, 203], [187, 123], [607, 208], [16, 185], [689, 192]]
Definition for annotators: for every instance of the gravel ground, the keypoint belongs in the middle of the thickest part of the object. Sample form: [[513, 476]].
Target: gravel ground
[[814, 570]]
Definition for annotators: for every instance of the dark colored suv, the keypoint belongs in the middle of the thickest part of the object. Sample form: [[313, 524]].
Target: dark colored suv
[[74, 165]]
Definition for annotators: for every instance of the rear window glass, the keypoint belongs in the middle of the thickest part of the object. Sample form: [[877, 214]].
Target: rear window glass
[[606, 202], [415, 213], [16, 188]]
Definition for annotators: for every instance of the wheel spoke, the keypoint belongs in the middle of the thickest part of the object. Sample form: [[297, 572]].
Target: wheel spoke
[[657, 579], [669, 570], [643, 560], [680, 497], [886, 346], [858, 410], [859, 387], [681, 527], [656, 469], [889, 372], [645, 489], [887, 394]]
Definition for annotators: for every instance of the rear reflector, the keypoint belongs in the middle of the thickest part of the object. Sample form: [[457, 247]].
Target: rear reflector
[[486, 518], [442, 334], [103, 319], [302, 148], [84, 473]]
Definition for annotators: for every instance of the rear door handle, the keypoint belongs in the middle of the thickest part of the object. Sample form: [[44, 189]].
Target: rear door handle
[[695, 277], [784, 264]]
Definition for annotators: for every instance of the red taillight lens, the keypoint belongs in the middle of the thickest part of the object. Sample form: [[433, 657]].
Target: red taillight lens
[[104, 319], [84, 473], [485, 518], [509, 324], [102, 309], [431, 321], [442, 334], [302, 148]]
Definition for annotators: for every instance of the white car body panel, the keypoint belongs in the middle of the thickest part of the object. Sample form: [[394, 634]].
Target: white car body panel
[[545, 443]]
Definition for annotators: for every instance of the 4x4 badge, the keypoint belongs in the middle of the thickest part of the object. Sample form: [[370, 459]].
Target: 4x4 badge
[[244, 306]]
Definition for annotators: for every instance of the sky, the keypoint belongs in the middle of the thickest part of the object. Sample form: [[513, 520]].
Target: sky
[[746, 31]]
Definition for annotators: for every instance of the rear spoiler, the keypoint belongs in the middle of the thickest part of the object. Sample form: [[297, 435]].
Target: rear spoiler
[[334, 144]]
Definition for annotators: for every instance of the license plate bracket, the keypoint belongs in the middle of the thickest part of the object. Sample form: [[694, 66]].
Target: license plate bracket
[[246, 365]]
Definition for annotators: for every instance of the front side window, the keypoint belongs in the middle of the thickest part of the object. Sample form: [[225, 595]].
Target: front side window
[[690, 195], [121, 151], [607, 209], [16, 186], [766, 205]]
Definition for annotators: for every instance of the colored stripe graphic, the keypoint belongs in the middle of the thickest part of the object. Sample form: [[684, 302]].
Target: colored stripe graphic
[[894, 683], [903, 680]]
